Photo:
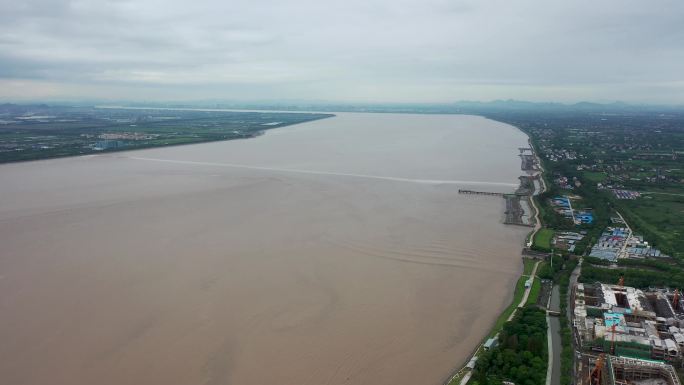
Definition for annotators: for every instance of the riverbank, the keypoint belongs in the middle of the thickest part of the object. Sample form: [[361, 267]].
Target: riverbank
[[521, 295], [520, 292], [64, 131], [294, 256]]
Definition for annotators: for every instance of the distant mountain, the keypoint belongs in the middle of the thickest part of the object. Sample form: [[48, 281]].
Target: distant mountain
[[460, 107], [11, 108]]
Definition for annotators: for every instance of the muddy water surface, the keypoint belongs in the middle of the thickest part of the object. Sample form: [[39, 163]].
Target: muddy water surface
[[331, 252]]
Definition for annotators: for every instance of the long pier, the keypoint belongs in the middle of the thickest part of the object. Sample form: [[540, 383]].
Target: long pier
[[460, 191]]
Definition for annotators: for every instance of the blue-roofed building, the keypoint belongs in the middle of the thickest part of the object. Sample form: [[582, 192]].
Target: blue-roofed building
[[616, 319], [584, 218]]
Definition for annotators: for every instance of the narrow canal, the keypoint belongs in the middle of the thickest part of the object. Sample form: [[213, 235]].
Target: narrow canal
[[554, 327]]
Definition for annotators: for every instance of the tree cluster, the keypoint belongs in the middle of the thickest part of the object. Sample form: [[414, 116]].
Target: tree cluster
[[521, 355]]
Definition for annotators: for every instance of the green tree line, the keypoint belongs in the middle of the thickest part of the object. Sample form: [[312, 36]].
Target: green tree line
[[521, 355]]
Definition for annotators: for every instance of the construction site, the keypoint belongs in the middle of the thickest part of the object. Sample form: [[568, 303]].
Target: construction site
[[529, 161], [631, 336], [626, 321], [518, 211], [605, 369], [519, 205]]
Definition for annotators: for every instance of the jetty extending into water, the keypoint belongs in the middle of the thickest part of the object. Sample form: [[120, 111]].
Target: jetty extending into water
[[530, 185], [460, 191], [515, 213]]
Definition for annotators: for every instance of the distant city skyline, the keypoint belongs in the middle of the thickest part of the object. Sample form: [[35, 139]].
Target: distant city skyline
[[372, 51]]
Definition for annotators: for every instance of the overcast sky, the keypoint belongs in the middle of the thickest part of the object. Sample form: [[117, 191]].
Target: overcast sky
[[352, 50]]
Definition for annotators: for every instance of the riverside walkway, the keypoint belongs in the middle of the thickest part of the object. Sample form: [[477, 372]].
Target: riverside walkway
[[526, 295], [465, 373], [537, 221]]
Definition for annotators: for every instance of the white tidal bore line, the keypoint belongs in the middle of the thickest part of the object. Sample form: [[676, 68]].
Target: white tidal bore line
[[314, 172]]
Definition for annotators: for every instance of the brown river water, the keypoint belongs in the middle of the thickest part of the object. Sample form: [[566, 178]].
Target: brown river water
[[330, 252]]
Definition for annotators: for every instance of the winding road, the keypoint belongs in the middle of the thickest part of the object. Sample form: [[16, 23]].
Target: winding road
[[537, 221]]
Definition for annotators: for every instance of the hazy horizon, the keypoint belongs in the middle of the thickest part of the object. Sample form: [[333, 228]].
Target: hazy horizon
[[296, 105], [378, 51]]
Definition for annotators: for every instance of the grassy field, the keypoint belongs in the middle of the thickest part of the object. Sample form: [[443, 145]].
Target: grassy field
[[595, 177], [542, 240], [660, 216], [534, 292]]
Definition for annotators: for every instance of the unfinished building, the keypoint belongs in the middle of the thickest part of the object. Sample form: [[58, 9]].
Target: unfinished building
[[626, 321], [630, 371], [612, 370]]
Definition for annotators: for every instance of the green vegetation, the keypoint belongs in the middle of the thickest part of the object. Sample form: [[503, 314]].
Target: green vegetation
[[39, 132], [528, 265], [623, 348], [548, 216], [659, 217], [599, 159], [595, 177], [590, 154], [542, 240], [636, 277], [563, 281], [560, 274], [665, 265], [548, 270], [518, 294], [521, 355], [534, 292], [517, 297]]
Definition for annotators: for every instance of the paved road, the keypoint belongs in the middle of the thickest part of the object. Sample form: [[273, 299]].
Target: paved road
[[537, 222], [466, 378], [621, 254], [572, 211], [527, 292], [469, 373]]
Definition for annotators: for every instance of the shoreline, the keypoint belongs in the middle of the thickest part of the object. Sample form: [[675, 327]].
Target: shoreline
[[542, 184], [503, 304], [158, 202], [461, 375], [253, 135]]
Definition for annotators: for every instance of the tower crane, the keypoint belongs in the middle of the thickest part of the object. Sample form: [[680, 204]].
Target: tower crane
[[675, 299], [595, 375]]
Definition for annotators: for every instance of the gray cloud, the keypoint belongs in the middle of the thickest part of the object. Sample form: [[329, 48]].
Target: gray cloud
[[356, 50]]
